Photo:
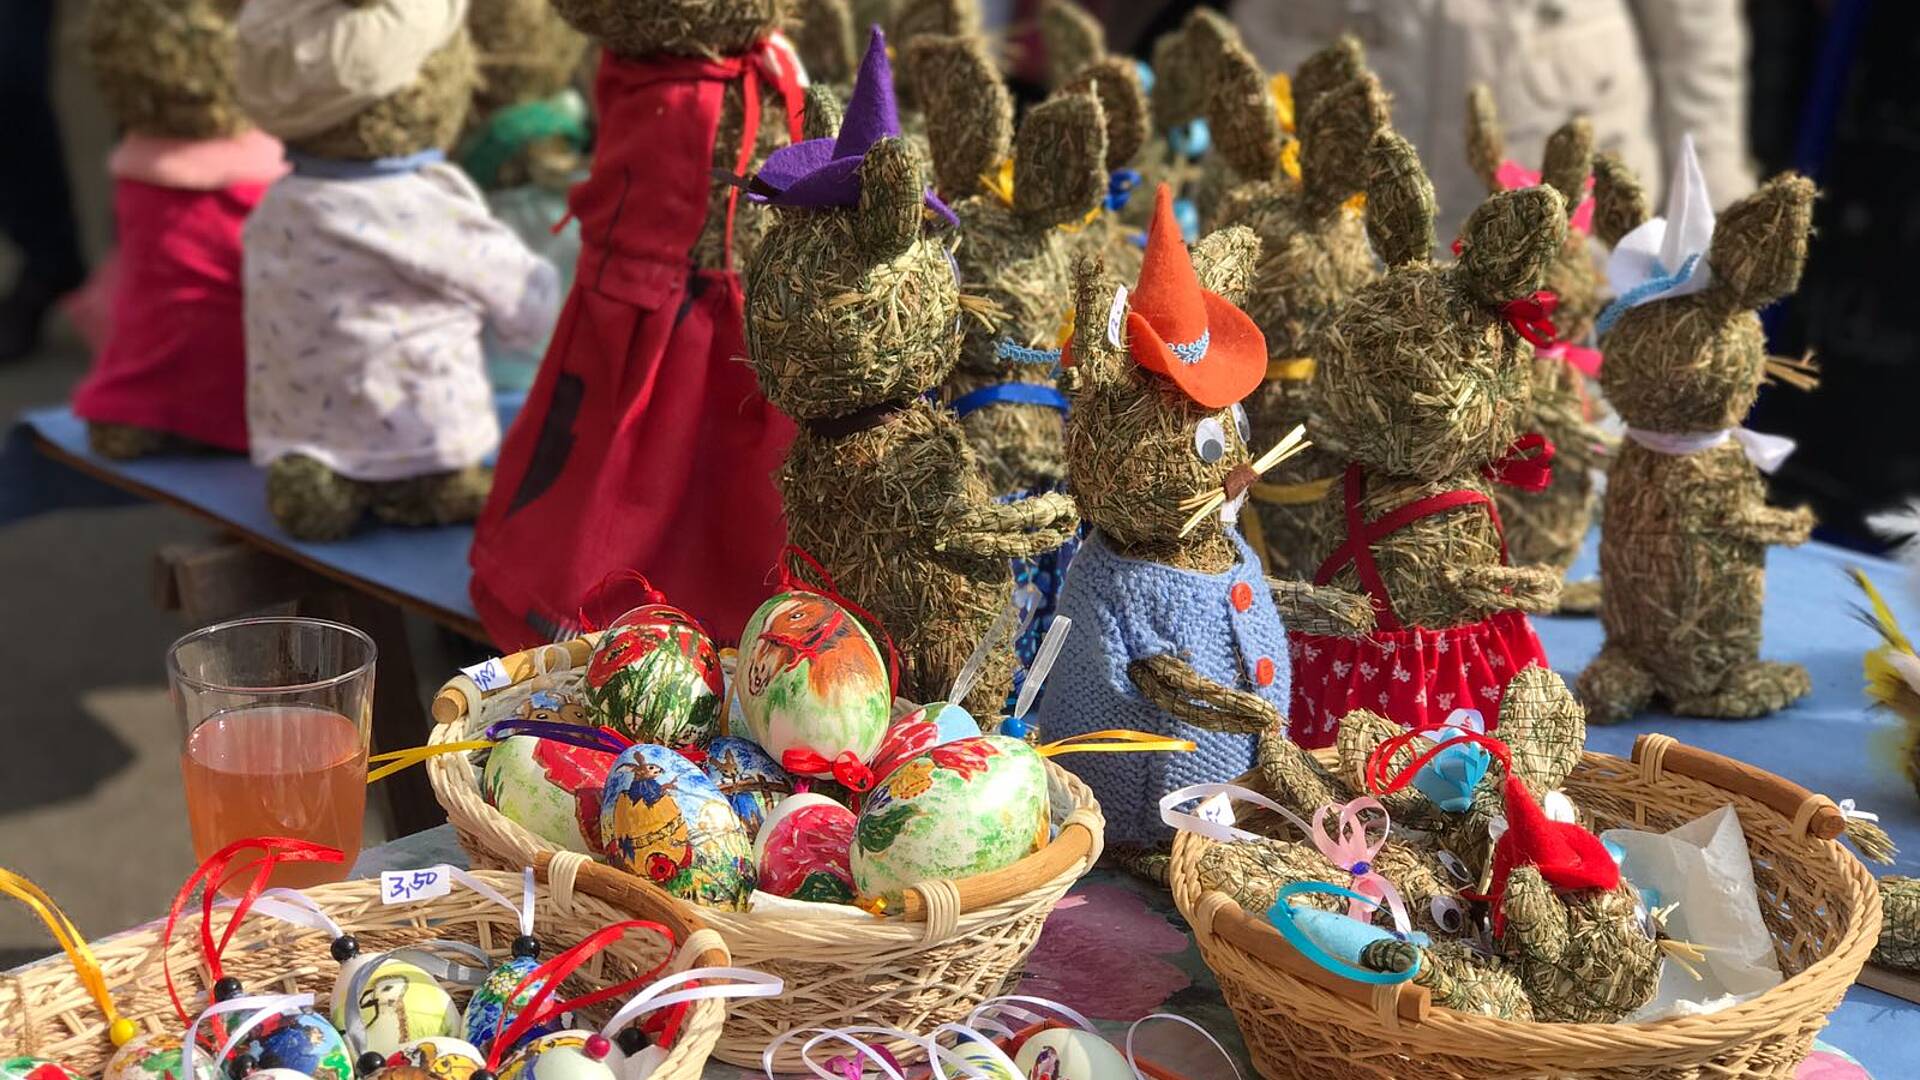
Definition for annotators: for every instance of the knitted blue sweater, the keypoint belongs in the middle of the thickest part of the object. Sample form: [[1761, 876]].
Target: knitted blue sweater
[[1224, 625]]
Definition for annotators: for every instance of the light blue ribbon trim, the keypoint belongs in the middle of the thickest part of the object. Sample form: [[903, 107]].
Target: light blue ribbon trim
[[1192, 352], [1642, 293], [1281, 916], [1014, 352], [323, 168]]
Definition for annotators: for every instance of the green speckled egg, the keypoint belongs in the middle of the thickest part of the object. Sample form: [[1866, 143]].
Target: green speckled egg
[[549, 788], [962, 808]]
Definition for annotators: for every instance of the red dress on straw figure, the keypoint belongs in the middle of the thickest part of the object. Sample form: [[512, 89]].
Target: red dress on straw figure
[[645, 443]]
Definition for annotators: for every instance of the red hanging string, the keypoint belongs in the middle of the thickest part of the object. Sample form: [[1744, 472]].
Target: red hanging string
[[648, 596], [542, 1007], [792, 582]]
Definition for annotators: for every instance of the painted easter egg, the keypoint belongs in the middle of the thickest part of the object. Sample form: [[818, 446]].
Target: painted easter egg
[[441, 1058], [811, 684], [919, 731], [748, 776], [550, 788], [563, 1055], [154, 1056], [300, 1042], [991, 1062], [33, 1068], [968, 807], [1071, 1054], [550, 706], [489, 1012], [275, 1074], [802, 850], [655, 677], [661, 818], [398, 1002]]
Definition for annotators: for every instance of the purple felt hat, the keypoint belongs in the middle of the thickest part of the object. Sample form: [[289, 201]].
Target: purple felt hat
[[826, 172]]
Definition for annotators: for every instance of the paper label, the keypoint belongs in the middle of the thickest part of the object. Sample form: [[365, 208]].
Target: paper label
[[1218, 809], [1117, 319], [489, 676], [406, 886]]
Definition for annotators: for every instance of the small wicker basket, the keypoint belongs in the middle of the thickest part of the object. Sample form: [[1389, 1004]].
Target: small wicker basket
[[46, 1012], [955, 944], [1820, 903]]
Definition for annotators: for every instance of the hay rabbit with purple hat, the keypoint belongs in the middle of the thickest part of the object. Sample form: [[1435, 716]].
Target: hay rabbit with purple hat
[[1176, 630], [853, 315], [1687, 527]]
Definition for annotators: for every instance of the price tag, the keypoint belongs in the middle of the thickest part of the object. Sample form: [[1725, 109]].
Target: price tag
[[1117, 318], [1218, 810], [406, 886], [489, 676]]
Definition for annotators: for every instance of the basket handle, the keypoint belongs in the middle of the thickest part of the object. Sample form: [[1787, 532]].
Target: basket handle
[[1657, 754], [1218, 915], [450, 703], [1075, 843], [631, 895]]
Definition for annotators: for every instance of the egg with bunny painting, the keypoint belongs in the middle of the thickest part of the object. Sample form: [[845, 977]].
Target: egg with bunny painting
[[1071, 1054], [812, 686], [661, 818]]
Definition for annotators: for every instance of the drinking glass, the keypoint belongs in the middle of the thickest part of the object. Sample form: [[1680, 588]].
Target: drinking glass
[[277, 714]]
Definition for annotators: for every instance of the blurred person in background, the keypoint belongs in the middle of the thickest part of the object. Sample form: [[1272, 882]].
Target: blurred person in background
[[36, 211]]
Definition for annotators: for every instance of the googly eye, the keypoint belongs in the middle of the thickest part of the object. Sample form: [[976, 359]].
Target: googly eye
[[1448, 914], [1210, 440], [1455, 869], [1241, 425]]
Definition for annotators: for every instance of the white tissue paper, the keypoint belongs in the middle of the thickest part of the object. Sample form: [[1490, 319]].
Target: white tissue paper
[[1702, 868]]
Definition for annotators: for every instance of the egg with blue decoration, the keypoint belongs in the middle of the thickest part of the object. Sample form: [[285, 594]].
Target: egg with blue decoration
[[655, 677], [963, 808], [443, 1058], [990, 1060], [397, 1002], [301, 1042], [802, 851], [550, 788], [748, 776], [1071, 1054], [25, 1067], [154, 1056], [564, 1055], [913, 733], [812, 687], [662, 819], [493, 1006]]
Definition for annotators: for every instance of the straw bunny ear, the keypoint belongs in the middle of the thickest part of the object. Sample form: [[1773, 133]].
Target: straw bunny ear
[[820, 119], [1400, 208], [913, 19], [1335, 134], [969, 112], [887, 221], [1543, 726], [1059, 173], [822, 32], [1073, 38], [1225, 260], [1569, 161], [1123, 101], [1510, 242], [1486, 140], [1240, 109], [1095, 364], [1619, 200], [1179, 81], [1340, 64], [1535, 916], [1760, 243]]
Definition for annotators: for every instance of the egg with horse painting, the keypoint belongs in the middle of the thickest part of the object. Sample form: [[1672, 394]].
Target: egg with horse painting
[[967, 807], [748, 776], [655, 677], [443, 1058], [154, 1056], [661, 818], [921, 730], [812, 686], [301, 1042], [1071, 1054], [803, 849], [550, 788], [398, 1002]]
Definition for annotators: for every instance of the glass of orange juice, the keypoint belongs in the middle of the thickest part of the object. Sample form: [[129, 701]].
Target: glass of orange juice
[[277, 713]]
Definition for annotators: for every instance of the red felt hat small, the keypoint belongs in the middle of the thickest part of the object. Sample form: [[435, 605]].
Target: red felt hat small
[[1210, 349], [1567, 856]]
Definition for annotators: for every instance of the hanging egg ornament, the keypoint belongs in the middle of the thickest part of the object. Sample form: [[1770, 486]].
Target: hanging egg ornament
[[803, 849], [563, 1055], [154, 1056], [655, 677], [991, 1064], [918, 731], [488, 1010], [661, 818], [811, 684], [1071, 1054], [33, 1068], [550, 788], [398, 1003], [441, 1058], [748, 776], [301, 1042], [968, 807]]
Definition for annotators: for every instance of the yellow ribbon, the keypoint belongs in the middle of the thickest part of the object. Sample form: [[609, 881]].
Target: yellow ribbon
[[1292, 369], [999, 182], [1282, 87], [1300, 494], [395, 760], [1357, 205], [120, 1029], [1290, 160], [1114, 742]]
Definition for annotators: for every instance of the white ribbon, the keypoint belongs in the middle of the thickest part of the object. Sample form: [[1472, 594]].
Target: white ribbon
[[1767, 452], [1213, 830], [1134, 1064], [1849, 813], [524, 909], [296, 908], [748, 984], [1661, 246], [1050, 647], [264, 1006]]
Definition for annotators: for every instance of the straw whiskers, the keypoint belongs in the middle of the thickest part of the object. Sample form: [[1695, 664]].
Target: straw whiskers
[[1207, 502]]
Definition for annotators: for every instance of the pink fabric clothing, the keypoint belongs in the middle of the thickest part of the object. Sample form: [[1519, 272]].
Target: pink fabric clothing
[[175, 357], [252, 157]]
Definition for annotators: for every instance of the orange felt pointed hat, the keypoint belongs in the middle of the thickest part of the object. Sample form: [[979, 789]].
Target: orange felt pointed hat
[[1210, 349]]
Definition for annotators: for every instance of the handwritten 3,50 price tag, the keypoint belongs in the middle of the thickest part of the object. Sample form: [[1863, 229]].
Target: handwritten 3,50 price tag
[[406, 886]]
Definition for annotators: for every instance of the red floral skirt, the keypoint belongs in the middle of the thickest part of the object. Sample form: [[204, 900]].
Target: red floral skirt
[[1412, 676]]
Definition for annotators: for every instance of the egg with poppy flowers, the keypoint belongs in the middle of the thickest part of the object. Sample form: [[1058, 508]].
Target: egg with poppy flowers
[[655, 677], [967, 807]]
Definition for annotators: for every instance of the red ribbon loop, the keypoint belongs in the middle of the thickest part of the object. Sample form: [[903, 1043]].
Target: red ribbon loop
[[849, 771], [1382, 780], [1532, 317], [648, 596], [1528, 465], [542, 1006]]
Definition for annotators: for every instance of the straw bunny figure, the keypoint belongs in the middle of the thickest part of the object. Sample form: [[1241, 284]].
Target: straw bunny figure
[[1549, 526], [188, 169], [1116, 230], [1683, 554], [644, 442], [1424, 380], [1175, 629], [372, 269], [852, 316], [824, 35], [1313, 244]]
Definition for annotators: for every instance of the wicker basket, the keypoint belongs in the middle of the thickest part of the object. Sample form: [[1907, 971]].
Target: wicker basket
[[955, 944], [46, 1012], [1818, 900]]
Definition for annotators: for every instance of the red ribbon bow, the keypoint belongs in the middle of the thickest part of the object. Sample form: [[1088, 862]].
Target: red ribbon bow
[[848, 770], [1528, 464], [1532, 317]]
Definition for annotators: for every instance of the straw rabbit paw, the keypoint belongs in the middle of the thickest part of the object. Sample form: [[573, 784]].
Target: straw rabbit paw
[[1752, 689], [1017, 529], [446, 498], [1615, 687], [1490, 588], [124, 442], [1584, 957], [1295, 778], [1321, 609], [1455, 977], [1773, 525], [1580, 597], [311, 501], [1174, 687]]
